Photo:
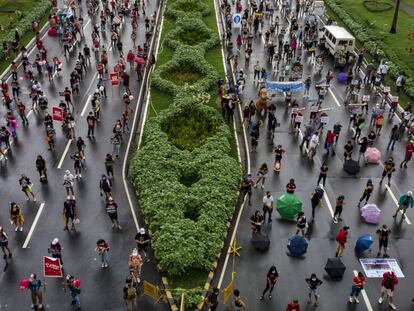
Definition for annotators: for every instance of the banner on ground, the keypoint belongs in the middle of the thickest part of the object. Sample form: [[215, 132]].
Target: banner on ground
[[375, 267], [278, 86], [52, 267]]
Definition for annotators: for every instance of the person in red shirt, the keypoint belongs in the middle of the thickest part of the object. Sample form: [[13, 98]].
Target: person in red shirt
[[388, 282], [329, 141], [357, 286], [409, 149], [341, 238], [293, 305], [291, 187]]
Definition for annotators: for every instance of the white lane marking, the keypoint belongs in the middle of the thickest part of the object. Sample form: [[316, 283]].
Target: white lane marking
[[86, 105], [64, 154], [110, 48], [29, 235], [87, 23], [394, 198], [365, 296], [334, 97], [325, 196]]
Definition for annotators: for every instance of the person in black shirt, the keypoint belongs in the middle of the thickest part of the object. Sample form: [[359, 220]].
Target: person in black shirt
[[369, 187], [316, 197], [348, 151], [338, 209], [271, 279], [212, 299], [247, 186], [383, 234], [322, 174], [313, 283], [256, 222], [142, 239], [301, 223]]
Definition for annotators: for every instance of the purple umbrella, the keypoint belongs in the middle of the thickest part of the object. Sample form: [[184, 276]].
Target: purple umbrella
[[373, 155], [371, 213], [342, 77]]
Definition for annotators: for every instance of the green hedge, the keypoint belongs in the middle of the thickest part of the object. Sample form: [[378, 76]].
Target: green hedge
[[369, 40], [24, 25], [188, 220], [187, 7]]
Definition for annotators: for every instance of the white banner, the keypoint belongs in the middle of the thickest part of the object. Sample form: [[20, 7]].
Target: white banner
[[237, 20]]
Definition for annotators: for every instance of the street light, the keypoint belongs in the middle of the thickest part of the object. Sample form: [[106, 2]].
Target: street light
[[395, 18]]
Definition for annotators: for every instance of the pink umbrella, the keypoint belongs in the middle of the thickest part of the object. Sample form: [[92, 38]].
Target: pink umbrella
[[372, 155], [139, 60], [371, 213], [24, 284], [76, 283]]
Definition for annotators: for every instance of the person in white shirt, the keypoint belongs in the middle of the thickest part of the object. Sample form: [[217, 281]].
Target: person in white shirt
[[313, 144], [68, 180], [268, 202]]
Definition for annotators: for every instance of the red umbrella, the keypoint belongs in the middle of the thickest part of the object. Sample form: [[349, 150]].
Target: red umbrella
[[139, 60]]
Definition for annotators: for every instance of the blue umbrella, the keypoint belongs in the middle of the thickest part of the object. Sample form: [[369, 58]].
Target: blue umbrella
[[297, 245], [363, 243]]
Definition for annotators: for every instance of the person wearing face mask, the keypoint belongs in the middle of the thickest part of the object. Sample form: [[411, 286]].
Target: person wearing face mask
[[313, 283], [271, 279]]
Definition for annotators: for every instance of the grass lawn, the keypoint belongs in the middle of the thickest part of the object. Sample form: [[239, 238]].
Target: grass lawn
[[7, 8], [409, 2], [379, 23]]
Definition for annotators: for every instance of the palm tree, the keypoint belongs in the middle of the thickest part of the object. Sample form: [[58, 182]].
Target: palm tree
[[395, 18]]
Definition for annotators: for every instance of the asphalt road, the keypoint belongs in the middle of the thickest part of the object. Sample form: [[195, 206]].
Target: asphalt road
[[101, 289], [251, 267]]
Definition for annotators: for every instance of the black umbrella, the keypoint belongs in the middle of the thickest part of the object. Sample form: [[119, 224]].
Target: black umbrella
[[335, 268], [260, 242], [351, 167]]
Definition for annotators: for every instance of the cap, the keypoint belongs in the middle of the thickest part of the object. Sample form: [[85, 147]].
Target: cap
[[55, 241]]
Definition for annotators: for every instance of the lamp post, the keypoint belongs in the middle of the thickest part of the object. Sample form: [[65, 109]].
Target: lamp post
[[395, 18]]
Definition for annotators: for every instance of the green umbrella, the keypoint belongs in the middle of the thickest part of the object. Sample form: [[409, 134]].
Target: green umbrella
[[288, 206]]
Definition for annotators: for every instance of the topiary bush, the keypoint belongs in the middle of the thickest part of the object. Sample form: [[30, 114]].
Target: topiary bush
[[187, 7], [377, 6]]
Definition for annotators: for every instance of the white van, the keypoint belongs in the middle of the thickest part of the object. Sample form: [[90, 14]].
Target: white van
[[338, 38]]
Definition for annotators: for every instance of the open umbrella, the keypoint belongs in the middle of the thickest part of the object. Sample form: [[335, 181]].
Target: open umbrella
[[363, 243], [139, 60], [351, 167], [288, 205], [335, 268], [342, 77], [297, 245], [371, 213], [260, 242], [373, 155]]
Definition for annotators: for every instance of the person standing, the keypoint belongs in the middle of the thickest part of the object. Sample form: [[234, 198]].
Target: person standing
[[102, 247], [271, 279], [329, 142], [68, 181], [238, 303], [316, 200], [409, 149], [77, 164], [73, 286], [341, 238], [394, 136], [4, 243], [388, 282], [35, 286], [56, 250], [41, 167], [142, 239], [27, 189], [369, 187], [338, 209], [212, 299], [406, 200], [389, 168], [130, 294], [383, 234], [16, 216], [109, 165], [301, 223], [268, 202], [112, 211], [105, 186], [91, 121], [293, 305], [262, 174], [69, 212], [135, 265], [363, 145], [291, 186], [313, 283], [348, 148], [256, 222], [323, 174], [357, 286]]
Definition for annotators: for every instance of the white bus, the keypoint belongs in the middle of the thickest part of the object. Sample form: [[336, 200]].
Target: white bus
[[338, 38]]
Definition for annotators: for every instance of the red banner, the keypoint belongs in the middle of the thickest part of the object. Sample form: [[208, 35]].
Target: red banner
[[57, 114], [114, 78], [52, 267]]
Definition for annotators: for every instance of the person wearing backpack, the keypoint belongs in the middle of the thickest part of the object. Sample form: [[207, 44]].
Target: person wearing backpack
[[130, 295], [389, 280]]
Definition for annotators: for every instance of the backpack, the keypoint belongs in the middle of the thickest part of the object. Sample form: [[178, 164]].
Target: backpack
[[131, 292], [388, 282]]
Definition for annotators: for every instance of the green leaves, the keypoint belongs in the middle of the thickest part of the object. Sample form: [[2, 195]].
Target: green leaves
[[194, 8]]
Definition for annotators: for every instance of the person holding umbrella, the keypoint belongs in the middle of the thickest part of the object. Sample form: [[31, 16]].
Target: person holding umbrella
[[405, 201], [313, 283], [388, 282], [271, 279], [256, 222], [389, 168], [369, 187], [341, 238], [383, 234]]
